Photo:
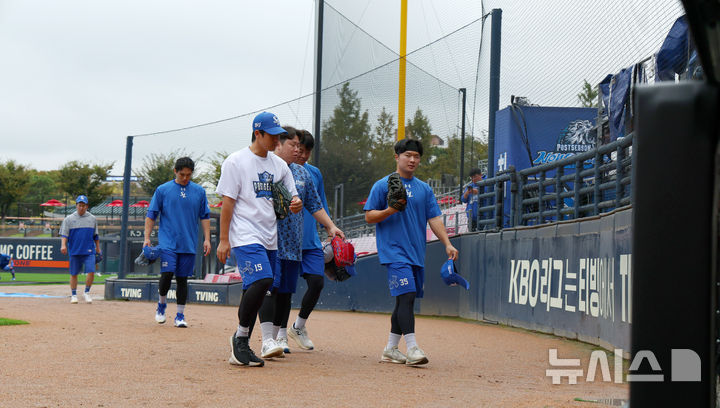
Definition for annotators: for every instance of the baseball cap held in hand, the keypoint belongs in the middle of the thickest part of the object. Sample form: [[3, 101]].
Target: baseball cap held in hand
[[450, 276], [148, 256]]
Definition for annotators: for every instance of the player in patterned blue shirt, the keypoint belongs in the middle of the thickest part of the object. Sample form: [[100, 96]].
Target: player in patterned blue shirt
[[401, 247], [79, 239], [275, 309], [179, 203], [313, 258]]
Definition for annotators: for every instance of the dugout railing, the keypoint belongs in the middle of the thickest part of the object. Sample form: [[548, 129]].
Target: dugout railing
[[583, 185]]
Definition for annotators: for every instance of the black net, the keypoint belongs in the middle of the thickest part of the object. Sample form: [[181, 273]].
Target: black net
[[549, 52]]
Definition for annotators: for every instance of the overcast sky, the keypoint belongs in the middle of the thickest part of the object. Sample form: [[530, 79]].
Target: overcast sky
[[78, 76]]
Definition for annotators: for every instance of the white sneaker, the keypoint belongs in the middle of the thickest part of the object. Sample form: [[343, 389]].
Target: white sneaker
[[282, 342], [180, 320], [73, 299], [415, 356], [270, 349], [88, 299], [301, 338], [393, 355], [160, 313]]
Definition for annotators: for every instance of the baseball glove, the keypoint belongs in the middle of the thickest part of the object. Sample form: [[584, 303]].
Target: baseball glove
[[98, 257], [396, 196], [141, 260], [281, 200]]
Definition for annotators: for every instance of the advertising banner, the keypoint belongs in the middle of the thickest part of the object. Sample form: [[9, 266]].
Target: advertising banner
[[35, 254]]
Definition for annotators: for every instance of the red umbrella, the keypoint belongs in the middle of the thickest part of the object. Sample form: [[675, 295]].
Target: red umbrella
[[52, 203], [219, 204], [447, 200], [141, 203], [116, 203]]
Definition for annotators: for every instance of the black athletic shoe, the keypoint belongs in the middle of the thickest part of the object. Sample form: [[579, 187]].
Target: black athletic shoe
[[255, 360], [241, 353]]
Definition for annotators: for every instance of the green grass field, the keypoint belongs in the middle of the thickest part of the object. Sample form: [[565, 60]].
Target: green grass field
[[47, 278], [10, 322]]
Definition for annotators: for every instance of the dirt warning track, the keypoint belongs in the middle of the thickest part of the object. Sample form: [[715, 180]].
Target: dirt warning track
[[113, 354]]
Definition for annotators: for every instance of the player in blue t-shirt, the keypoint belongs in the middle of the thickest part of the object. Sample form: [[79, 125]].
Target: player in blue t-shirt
[[179, 203], [401, 247], [470, 196]]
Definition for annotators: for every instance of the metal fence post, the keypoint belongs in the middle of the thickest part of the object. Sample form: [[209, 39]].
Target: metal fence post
[[457, 224], [619, 175], [596, 186], [559, 203], [541, 191], [577, 186], [499, 198], [520, 194], [513, 197]]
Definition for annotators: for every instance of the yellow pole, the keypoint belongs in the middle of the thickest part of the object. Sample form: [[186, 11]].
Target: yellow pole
[[401, 76]]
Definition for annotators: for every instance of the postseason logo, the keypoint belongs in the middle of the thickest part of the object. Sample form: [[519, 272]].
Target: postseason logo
[[575, 138], [263, 187]]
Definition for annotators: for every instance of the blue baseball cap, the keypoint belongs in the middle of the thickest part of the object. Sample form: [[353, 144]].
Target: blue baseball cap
[[81, 199], [450, 276], [148, 256], [151, 252], [268, 123]]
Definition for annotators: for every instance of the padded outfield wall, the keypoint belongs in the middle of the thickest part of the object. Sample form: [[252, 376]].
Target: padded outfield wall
[[572, 279]]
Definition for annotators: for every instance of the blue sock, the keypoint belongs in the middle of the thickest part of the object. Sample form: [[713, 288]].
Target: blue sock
[[87, 289], [74, 292]]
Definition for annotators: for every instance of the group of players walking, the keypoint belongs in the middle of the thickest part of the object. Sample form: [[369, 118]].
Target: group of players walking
[[272, 254]]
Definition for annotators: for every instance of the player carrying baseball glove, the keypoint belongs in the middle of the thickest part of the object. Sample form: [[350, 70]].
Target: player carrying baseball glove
[[281, 200], [396, 196]]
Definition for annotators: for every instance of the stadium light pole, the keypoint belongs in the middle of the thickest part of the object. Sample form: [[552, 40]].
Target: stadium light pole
[[402, 69], [125, 208], [494, 86]]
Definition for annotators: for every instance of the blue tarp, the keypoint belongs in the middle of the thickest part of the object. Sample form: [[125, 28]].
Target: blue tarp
[[604, 86], [619, 94], [672, 58]]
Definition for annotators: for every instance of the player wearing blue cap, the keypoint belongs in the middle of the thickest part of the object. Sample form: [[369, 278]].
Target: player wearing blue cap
[[401, 247], [79, 239], [275, 309], [179, 203], [6, 264], [248, 225]]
